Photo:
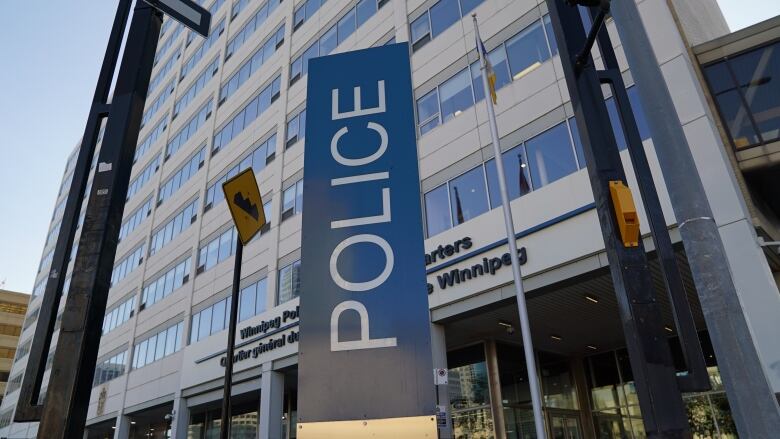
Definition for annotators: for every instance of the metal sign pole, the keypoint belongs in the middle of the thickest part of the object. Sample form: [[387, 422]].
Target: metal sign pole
[[224, 428]]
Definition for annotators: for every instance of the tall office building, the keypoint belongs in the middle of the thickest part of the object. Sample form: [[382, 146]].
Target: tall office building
[[238, 99], [13, 307]]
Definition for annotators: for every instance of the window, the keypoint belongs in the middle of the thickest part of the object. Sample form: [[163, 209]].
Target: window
[[263, 154], [163, 48], [152, 108], [39, 288], [168, 340], [135, 219], [252, 300], [455, 94], [238, 6], [187, 97], [118, 315], [53, 233], [215, 318], [255, 108], [201, 51], [527, 50], [250, 27], [150, 138], [551, 155], [143, 177], [162, 285], [292, 200], [189, 129], [171, 229], [745, 89], [289, 282], [129, 263], [109, 369], [537, 162], [468, 195], [181, 175], [439, 18], [46, 260], [164, 70], [216, 250], [511, 60], [333, 36], [305, 11], [251, 65], [296, 128]]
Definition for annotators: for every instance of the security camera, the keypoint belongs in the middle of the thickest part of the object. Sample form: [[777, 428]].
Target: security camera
[[168, 417]]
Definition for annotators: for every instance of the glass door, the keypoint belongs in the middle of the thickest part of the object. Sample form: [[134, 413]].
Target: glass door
[[565, 425]]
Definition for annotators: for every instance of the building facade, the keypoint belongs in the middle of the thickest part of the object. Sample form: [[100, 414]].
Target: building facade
[[237, 99], [13, 307]]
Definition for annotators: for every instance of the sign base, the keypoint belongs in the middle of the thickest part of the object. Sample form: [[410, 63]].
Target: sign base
[[415, 427]]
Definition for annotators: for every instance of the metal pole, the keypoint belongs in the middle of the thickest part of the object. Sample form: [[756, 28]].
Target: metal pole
[[752, 402], [70, 385], [224, 428], [525, 327], [27, 408]]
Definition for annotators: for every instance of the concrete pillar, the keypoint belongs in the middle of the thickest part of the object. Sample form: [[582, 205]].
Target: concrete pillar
[[439, 352], [181, 417], [122, 430], [494, 384], [271, 403]]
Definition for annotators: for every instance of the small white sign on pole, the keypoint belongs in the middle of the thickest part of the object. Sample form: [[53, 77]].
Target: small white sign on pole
[[440, 376]]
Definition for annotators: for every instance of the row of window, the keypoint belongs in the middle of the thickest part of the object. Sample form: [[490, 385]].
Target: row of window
[[334, 36], [118, 315], [439, 18], [53, 233], [109, 369], [61, 205], [46, 260], [135, 219], [164, 47], [151, 109], [200, 52], [254, 109], [181, 175], [170, 230], [158, 346], [305, 11], [189, 129], [163, 285], [251, 65], [143, 177], [13, 330], [164, 70], [289, 282], [189, 95], [257, 160], [39, 288], [215, 318], [23, 350], [531, 165], [128, 264], [154, 134], [296, 128], [217, 250], [511, 60], [249, 28]]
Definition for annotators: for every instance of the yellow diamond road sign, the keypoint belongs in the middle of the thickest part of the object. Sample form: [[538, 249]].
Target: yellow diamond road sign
[[246, 206]]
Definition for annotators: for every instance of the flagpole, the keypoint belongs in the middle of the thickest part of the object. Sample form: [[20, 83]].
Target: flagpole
[[525, 327]]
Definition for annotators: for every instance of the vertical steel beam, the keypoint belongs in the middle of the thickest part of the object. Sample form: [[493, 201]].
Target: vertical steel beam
[[28, 408], [660, 400], [697, 379], [65, 412]]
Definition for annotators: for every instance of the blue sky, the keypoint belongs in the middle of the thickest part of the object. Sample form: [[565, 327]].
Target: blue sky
[[52, 52]]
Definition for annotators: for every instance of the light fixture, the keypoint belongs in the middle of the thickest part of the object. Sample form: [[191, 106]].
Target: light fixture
[[668, 328], [510, 328], [527, 70], [132, 422], [457, 113], [590, 298], [523, 165], [556, 337], [591, 347]]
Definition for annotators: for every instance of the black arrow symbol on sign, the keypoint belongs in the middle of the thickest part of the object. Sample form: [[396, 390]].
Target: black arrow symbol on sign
[[246, 205]]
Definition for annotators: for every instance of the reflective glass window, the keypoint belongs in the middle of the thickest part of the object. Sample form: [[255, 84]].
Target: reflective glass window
[[527, 50], [551, 156], [455, 95], [468, 197], [437, 210]]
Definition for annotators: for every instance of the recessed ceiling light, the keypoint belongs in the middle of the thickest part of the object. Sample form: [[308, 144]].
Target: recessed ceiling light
[[590, 298], [591, 347], [556, 337], [505, 324], [132, 422], [668, 328]]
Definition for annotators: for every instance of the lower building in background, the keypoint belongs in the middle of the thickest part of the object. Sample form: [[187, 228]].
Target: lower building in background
[[238, 99], [13, 307]]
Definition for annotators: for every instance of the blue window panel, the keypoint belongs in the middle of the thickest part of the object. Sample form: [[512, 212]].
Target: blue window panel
[[517, 183], [468, 196], [551, 156], [365, 9], [437, 210], [443, 15], [527, 50], [455, 95]]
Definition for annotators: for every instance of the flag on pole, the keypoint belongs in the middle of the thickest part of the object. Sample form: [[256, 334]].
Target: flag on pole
[[491, 74]]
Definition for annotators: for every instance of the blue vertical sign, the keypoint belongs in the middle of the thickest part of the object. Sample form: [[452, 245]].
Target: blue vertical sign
[[365, 326]]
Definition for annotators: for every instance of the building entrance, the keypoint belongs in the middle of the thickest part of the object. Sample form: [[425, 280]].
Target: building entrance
[[564, 424]]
